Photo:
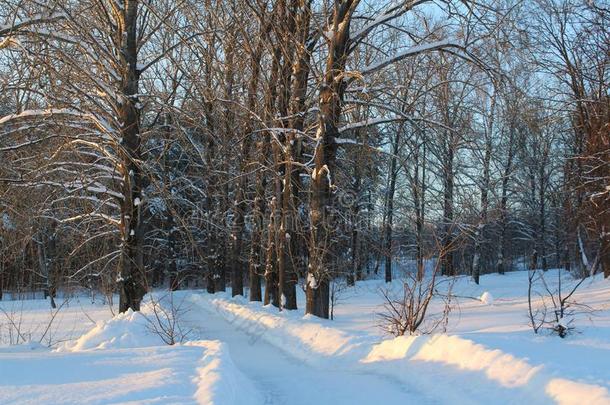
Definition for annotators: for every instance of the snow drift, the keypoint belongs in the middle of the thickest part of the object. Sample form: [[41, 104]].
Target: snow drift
[[126, 330], [219, 382], [489, 371], [122, 360]]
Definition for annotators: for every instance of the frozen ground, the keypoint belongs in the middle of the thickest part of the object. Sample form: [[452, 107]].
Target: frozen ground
[[33, 320], [488, 350], [284, 378], [117, 360], [243, 353]]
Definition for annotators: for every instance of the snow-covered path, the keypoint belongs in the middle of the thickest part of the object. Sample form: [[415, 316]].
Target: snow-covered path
[[283, 379], [296, 358]]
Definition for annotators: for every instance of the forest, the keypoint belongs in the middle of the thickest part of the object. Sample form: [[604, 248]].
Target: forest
[[267, 147], [248, 202]]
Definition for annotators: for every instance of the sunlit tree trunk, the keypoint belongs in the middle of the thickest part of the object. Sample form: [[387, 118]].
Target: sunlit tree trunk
[[132, 276]]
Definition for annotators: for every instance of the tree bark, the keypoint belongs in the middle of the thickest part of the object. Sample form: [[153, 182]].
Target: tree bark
[[271, 284], [131, 271], [320, 203], [389, 222], [419, 197], [485, 187], [448, 268]]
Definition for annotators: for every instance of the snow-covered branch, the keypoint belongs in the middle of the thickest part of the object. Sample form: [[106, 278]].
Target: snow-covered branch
[[412, 51]]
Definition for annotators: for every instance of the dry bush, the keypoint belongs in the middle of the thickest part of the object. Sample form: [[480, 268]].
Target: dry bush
[[556, 309], [408, 311], [166, 319]]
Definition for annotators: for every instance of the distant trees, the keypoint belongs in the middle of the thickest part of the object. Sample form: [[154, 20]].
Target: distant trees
[[573, 48]]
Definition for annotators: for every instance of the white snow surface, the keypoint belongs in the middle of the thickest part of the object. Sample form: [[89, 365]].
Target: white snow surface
[[487, 298], [488, 351], [120, 360], [127, 330], [246, 353]]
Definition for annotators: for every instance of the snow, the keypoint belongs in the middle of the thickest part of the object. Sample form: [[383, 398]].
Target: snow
[[282, 378], [41, 324], [119, 360], [7, 223], [486, 298], [489, 351], [570, 392], [311, 280], [464, 354], [219, 381], [200, 372], [246, 353], [60, 113], [363, 124], [127, 330], [411, 51]]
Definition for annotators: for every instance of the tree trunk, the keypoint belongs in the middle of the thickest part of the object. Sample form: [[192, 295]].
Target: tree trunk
[[271, 284], [320, 211], [44, 250], [241, 203], [542, 225], [288, 277], [504, 202], [485, 187], [255, 263], [131, 272], [320, 203], [356, 261], [389, 222], [448, 268], [604, 253], [300, 17], [419, 197], [534, 237], [172, 255]]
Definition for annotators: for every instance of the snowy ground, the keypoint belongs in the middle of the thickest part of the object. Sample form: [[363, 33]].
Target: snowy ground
[[489, 350], [116, 360], [244, 353], [35, 321]]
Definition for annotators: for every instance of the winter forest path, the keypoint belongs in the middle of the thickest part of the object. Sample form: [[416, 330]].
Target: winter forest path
[[285, 380]]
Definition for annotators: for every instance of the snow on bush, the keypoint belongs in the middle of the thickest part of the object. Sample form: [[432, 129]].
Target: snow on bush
[[158, 323]]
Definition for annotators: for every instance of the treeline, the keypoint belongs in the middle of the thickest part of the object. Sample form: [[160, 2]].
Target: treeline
[[275, 145]]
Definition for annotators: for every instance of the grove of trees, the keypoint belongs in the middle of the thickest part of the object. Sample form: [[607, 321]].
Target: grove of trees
[[269, 146]]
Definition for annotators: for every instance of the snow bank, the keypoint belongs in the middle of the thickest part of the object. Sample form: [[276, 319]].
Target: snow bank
[[301, 336], [23, 347], [500, 367], [200, 372], [567, 392], [122, 360], [127, 330], [219, 381], [490, 371]]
